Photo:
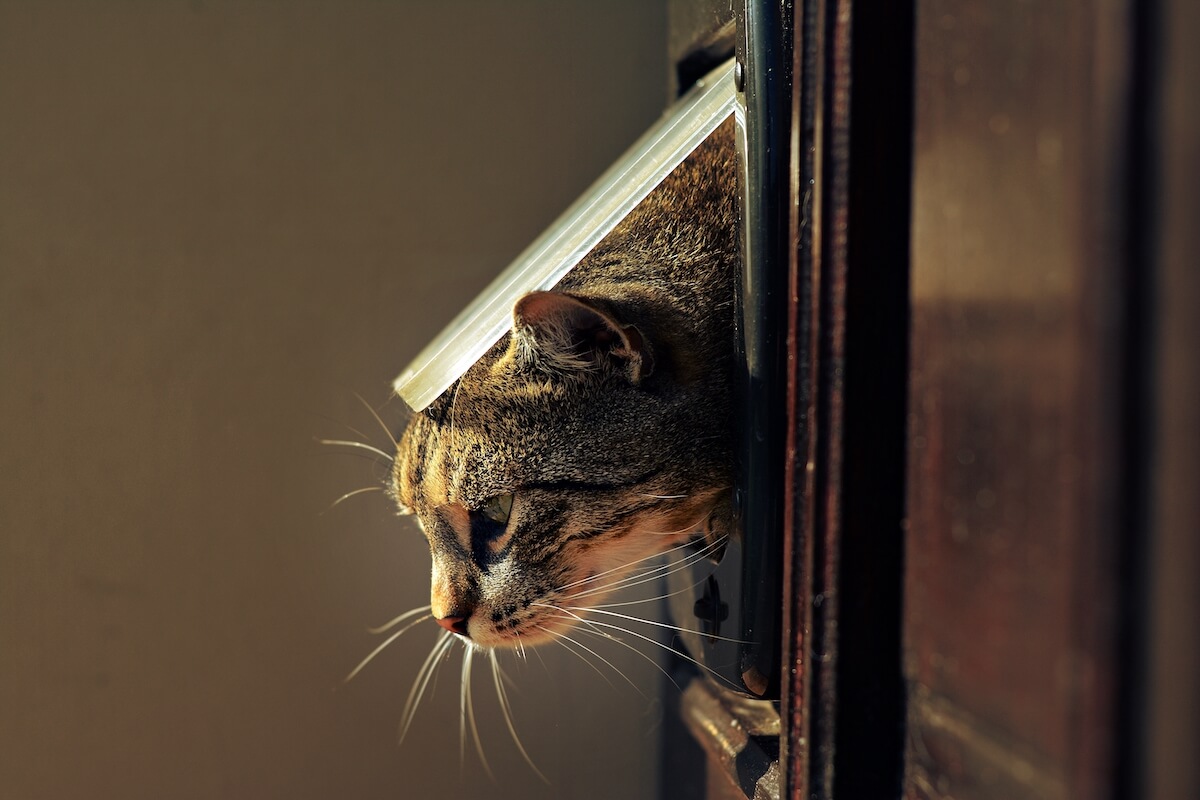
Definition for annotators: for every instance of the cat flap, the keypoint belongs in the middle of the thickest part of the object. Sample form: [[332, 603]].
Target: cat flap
[[572, 236]]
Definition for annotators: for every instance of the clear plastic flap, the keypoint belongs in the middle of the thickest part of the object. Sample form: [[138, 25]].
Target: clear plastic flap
[[572, 236]]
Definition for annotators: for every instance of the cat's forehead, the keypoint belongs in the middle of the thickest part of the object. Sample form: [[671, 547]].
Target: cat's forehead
[[502, 427], [465, 454]]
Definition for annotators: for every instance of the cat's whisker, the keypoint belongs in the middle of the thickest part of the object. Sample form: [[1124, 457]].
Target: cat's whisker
[[362, 436], [563, 640], [650, 599], [393, 623], [638, 580], [695, 525], [366, 457], [670, 533], [348, 495], [572, 617], [593, 623], [406, 413], [422, 680], [664, 496], [611, 665], [628, 646], [507, 680], [453, 404], [463, 685], [507, 710], [684, 529], [362, 445], [563, 614], [655, 573], [666, 625], [620, 567], [467, 655], [710, 547], [666, 647], [381, 648], [541, 660], [428, 671], [378, 419], [665, 553], [587, 628]]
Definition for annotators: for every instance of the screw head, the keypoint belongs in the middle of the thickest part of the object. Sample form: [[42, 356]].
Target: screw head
[[739, 76]]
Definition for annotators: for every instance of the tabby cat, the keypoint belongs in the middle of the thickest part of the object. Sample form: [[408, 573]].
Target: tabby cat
[[595, 434]]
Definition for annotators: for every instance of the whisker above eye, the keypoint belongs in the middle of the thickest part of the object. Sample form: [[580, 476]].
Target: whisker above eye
[[362, 436], [378, 419], [350, 494], [347, 443]]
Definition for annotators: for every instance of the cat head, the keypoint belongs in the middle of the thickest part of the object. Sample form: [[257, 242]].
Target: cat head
[[568, 454]]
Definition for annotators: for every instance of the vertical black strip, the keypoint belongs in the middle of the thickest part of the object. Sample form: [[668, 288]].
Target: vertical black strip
[[870, 699], [1137, 281]]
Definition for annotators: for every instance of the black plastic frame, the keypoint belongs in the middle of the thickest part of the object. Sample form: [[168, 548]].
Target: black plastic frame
[[741, 601]]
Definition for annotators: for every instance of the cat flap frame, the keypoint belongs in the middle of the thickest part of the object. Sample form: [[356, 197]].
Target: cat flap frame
[[572, 236]]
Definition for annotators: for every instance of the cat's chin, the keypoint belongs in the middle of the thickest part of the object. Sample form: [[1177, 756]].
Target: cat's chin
[[537, 632], [510, 641]]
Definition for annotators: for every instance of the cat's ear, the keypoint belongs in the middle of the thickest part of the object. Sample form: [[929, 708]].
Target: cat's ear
[[565, 334]]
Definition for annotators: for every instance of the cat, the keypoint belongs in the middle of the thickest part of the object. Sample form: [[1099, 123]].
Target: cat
[[596, 433]]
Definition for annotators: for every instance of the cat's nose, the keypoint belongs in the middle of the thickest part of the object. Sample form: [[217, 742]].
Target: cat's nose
[[454, 625]]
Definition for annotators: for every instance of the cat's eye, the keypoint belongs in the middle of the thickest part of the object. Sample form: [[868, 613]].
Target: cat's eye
[[488, 523], [498, 508]]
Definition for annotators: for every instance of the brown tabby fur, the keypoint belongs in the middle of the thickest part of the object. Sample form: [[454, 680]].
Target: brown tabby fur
[[604, 413]]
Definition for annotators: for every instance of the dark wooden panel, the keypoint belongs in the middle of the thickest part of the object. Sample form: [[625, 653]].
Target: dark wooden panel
[[1017, 407], [1172, 743], [806, 153]]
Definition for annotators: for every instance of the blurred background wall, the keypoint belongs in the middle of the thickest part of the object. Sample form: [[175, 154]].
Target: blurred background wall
[[218, 221]]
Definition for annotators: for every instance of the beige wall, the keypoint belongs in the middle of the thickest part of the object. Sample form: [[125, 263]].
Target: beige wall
[[219, 220]]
